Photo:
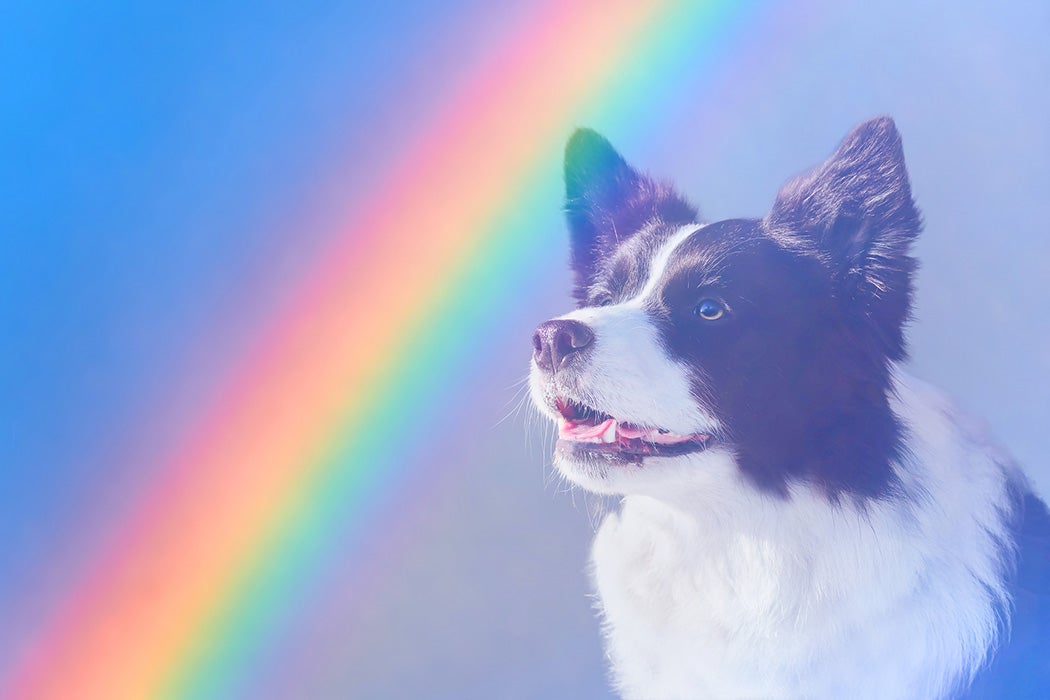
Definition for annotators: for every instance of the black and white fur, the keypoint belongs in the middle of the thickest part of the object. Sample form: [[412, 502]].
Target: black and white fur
[[799, 517]]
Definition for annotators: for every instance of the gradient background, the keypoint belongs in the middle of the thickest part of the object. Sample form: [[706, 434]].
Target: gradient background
[[171, 176]]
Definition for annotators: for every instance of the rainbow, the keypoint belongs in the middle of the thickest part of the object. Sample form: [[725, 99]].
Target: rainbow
[[298, 456]]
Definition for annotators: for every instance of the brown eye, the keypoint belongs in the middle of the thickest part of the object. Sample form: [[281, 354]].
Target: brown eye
[[709, 310]]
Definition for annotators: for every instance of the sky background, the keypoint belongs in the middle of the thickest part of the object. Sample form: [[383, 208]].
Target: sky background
[[172, 175]]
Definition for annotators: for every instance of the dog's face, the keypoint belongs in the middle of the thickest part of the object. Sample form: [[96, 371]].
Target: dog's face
[[756, 348]]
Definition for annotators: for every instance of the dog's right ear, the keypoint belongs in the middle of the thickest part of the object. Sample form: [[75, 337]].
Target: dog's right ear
[[857, 214], [608, 201]]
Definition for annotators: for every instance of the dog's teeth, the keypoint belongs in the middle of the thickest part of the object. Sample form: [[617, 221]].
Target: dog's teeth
[[609, 436]]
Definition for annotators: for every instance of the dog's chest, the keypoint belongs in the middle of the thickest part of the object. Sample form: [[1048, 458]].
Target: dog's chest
[[689, 615]]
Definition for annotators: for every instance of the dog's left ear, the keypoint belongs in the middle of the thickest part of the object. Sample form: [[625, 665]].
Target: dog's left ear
[[607, 201], [856, 212]]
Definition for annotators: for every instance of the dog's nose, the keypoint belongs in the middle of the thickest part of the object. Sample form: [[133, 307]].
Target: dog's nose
[[555, 341]]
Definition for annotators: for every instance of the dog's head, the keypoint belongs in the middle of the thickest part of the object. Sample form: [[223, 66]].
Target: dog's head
[[747, 348]]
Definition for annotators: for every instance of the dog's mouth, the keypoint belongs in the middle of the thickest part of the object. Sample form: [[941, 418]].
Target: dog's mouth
[[586, 429]]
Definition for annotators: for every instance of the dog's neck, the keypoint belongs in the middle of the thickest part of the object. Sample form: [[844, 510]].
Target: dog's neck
[[716, 586]]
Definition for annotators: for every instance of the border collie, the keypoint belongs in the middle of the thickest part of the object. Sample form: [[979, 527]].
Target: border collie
[[799, 517]]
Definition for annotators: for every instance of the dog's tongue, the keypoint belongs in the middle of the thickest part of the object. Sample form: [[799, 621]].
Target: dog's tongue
[[658, 437], [609, 431], [630, 431], [580, 431]]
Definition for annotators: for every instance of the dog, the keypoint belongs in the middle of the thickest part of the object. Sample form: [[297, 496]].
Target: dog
[[798, 517]]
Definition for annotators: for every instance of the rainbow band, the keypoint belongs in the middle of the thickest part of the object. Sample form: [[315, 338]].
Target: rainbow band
[[305, 443]]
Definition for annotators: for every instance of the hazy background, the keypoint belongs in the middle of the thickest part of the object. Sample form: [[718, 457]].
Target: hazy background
[[152, 160]]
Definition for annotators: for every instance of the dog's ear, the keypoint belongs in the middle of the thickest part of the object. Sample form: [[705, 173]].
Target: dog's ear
[[607, 201], [856, 212]]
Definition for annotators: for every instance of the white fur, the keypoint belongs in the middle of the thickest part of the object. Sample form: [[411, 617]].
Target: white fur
[[663, 257], [710, 589]]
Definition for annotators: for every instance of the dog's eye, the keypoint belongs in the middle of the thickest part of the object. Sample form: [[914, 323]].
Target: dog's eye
[[603, 299], [709, 310]]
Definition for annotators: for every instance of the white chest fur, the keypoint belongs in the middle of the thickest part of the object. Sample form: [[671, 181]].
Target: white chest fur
[[727, 593]]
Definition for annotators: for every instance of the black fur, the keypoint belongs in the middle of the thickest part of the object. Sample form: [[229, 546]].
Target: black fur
[[801, 395]]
